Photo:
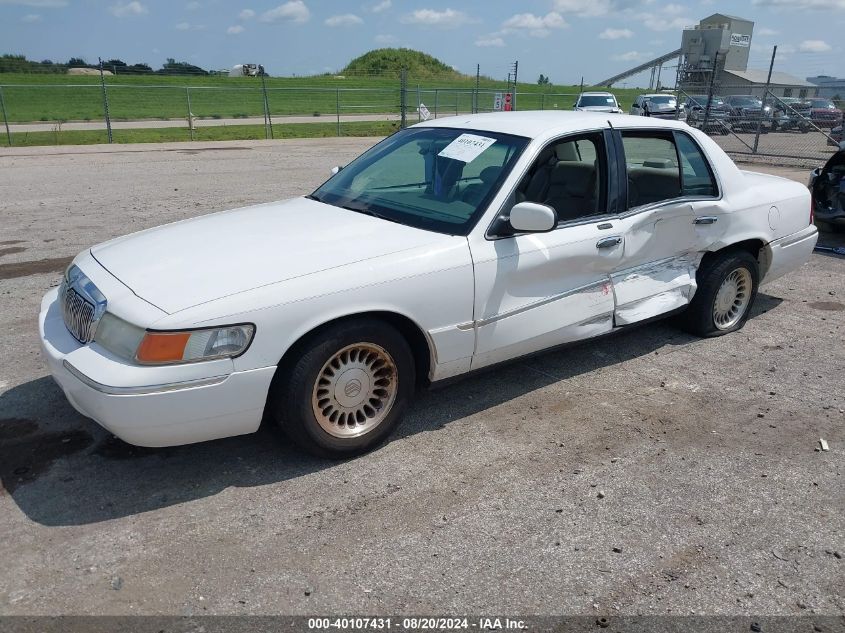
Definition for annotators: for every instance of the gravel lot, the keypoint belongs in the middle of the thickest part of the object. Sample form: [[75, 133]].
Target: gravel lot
[[647, 473]]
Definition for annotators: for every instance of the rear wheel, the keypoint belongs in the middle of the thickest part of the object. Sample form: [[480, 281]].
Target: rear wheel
[[347, 389], [727, 287]]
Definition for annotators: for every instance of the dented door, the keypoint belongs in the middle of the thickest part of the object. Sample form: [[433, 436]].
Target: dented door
[[540, 290]]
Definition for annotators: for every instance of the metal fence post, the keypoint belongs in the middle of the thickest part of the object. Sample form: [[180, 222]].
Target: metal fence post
[[5, 117], [419, 103], [403, 97], [105, 101], [337, 108], [268, 121], [436, 97], [763, 101], [190, 114], [710, 92], [542, 100]]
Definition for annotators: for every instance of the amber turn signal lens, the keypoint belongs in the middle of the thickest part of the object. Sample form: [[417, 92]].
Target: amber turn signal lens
[[158, 347]]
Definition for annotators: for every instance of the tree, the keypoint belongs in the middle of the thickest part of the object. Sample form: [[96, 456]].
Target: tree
[[77, 62], [543, 80]]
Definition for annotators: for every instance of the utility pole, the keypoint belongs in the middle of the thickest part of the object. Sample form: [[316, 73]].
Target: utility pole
[[515, 80]]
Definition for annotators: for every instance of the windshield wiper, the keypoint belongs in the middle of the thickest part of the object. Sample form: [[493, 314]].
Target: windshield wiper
[[314, 197]]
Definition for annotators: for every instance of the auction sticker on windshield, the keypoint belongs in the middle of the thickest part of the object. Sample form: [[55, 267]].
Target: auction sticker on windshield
[[467, 147]]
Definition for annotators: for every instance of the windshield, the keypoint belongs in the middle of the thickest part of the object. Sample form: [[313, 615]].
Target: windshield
[[822, 103], [587, 101], [439, 179], [746, 101], [702, 101], [662, 100]]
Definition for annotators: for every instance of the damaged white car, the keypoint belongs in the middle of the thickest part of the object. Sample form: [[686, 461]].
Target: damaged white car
[[447, 247]]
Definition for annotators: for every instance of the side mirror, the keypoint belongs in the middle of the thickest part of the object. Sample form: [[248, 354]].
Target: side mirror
[[530, 217], [336, 169]]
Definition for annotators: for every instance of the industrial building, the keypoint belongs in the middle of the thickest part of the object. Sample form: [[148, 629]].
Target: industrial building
[[830, 87], [716, 51]]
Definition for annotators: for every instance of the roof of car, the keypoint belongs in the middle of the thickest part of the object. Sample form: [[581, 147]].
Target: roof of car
[[597, 92], [547, 123]]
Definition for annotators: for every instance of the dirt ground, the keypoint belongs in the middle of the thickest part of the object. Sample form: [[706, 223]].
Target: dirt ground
[[649, 472]]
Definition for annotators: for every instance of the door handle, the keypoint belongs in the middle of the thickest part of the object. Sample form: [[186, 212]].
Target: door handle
[[609, 242], [706, 219]]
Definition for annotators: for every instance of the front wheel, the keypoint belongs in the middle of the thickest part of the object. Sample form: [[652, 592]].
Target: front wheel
[[347, 389], [727, 287]]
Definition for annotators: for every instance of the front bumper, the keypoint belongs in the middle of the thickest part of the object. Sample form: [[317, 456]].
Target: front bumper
[[788, 253], [151, 406]]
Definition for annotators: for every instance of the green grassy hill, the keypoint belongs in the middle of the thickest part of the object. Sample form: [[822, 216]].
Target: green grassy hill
[[393, 60]]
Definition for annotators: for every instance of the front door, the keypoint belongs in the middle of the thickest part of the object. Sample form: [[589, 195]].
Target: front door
[[534, 291]]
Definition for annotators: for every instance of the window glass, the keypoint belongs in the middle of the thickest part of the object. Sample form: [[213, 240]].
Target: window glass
[[653, 171], [432, 178], [696, 177], [568, 176], [659, 171]]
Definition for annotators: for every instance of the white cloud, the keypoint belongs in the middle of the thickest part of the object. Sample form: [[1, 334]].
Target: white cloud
[[385, 39], [193, 6], [237, 29], [767, 31], [446, 19], [674, 9], [187, 26], [659, 22], [246, 14], [347, 19], [38, 4], [616, 34], [384, 5], [530, 21], [632, 56], [492, 42], [293, 11], [128, 9], [814, 46], [29, 18], [584, 8], [823, 5]]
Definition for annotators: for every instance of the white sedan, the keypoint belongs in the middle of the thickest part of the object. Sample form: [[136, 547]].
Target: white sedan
[[449, 246]]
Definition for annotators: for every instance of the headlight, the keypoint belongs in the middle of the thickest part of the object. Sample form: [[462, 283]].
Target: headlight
[[118, 336], [163, 347]]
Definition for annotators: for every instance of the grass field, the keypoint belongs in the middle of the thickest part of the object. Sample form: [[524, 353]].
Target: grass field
[[44, 97], [214, 133]]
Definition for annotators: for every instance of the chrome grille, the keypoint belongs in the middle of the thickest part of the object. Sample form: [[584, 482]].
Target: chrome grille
[[78, 314]]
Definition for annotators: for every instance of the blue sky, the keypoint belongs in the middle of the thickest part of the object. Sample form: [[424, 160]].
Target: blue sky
[[563, 39]]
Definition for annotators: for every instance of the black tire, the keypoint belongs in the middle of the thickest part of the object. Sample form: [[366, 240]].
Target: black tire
[[290, 404], [699, 317]]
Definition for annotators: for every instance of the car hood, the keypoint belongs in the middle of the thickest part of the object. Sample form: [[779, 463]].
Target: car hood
[[180, 265]]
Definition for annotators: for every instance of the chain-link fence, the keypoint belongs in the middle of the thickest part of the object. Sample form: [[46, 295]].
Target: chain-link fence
[[765, 122]]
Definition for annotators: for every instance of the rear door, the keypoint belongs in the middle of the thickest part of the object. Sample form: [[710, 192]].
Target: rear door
[[672, 216]]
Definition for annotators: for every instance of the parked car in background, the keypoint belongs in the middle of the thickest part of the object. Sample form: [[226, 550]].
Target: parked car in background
[[824, 113], [746, 111], [835, 137], [660, 105], [695, 111], [790, 114], [450, 246], [597, 102], [827, 185]]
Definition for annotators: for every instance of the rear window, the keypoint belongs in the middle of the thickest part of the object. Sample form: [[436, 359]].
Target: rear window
[[586, 101]]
